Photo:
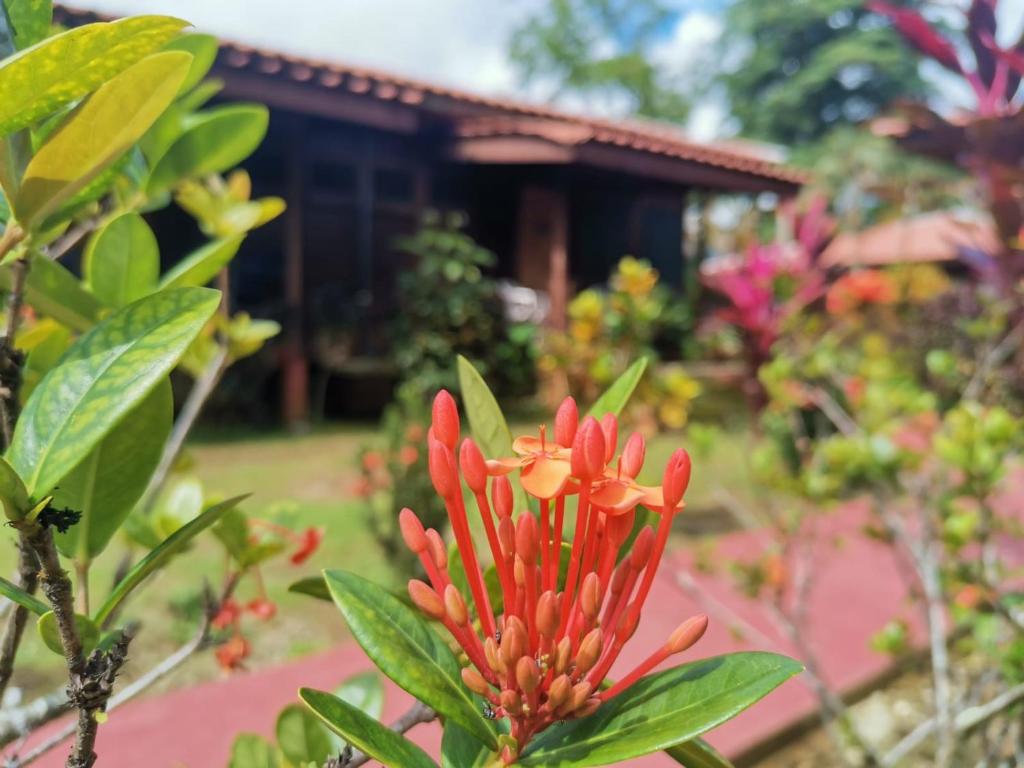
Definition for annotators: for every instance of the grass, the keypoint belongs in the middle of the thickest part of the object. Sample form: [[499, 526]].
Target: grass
[[314, 474]]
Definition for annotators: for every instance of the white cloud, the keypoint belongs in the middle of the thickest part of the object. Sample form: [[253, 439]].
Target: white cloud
[[456, 42]]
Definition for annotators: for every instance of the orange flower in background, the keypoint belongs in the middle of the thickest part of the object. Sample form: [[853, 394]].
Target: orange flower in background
[[308, 542], [544, 658], [865, 286], [232, 655]]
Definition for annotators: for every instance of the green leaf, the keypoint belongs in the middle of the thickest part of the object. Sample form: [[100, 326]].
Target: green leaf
[[311, 586], [31, 20], [16, 594], [97, 133], [106, 485], [663, 710], [211, 142], [43, 355], [364, 692], [159, 556], [13, 494], [59, 70], [617, 395], [252, 751], [203, 49], [405, 649], [203, 264], [121, 263], [486, 421], [53, 291], [88, 632], [461, 750], [698, 754], [364, 732], [103, 377], [301, 737]]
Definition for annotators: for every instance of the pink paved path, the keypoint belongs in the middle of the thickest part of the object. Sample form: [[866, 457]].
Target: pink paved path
[[855, 592]]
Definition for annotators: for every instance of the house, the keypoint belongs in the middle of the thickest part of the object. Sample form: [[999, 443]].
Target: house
[[359, 155]]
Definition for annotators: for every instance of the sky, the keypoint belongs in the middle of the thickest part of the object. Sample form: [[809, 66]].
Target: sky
[[453, 42]]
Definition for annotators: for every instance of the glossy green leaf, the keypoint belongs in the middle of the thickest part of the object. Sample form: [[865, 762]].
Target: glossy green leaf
[[252, 751], [106, 484], [486, 421], [301, 737], [461, 750], [405, 649], [203, 264], [42, 356], [203, 49], [88, 632], [121, 263], [211, 142], [63, 68], [13, 494], [159, 556], [663, 710], [364, 692], [103, 377], [365, 733], [617, 395], [311, 586], [17, 595], [53, 291], [31, 20], [97, 134], [698, 754]]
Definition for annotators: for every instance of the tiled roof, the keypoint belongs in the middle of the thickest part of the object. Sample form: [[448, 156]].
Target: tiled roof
[[476, 115]]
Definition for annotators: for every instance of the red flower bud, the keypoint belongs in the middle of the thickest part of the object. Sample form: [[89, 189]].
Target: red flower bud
[[262, 608], [445, 419], [438, 551], [513, 641], [455, 605], [475, 681], [231, 655], [493, 656], [526, 538], [527, 674], [587, 708], [519, 572], [426, 599], [628, 623], [309, 540], [547, 614], [507, 536], [619, 526], [588, 450], [501, 496], [633, 455], [441, 463], [559, 691], [474, 469], [687, 633], [412, 531], [590, 596], [511, 702], [619, 578], [589, 652], [610, 428], [677, 477], [228, 615], [563, 655], [567, 419], [642, 546], [579, 694]]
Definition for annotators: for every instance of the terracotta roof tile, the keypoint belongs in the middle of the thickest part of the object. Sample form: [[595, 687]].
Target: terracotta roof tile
[[636, 135]]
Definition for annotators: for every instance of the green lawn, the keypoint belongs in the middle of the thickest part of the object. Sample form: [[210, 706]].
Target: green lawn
[[314, 473]]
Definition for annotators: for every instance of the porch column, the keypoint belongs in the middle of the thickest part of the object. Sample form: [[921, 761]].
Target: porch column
[[542, 250], [294, 364]]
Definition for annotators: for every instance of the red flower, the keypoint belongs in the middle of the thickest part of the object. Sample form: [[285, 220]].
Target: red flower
[[544, 659], [308, 543], [865, 286], [228, 615], [262, 608], [233, 653]]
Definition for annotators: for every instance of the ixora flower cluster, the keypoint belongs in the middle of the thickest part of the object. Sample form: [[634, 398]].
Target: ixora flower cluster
[[545, 657]]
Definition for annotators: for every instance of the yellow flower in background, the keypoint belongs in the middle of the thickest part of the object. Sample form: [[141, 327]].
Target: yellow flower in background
[[679, 390], [634, 277], [920, 283], [586, 313]]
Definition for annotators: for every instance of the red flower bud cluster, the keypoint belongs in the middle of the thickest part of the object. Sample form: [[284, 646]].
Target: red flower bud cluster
[[544, 657]]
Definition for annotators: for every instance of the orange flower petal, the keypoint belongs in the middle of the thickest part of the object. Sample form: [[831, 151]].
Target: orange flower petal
[[504, 466], [545, 478], [527, 444], [654, 499], [616, 497]]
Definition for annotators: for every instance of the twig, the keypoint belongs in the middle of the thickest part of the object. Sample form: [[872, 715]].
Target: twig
[[966, 720], [996, 355], [201, 391], [150, 678], [28, 570], [416, 714], [10, 359]]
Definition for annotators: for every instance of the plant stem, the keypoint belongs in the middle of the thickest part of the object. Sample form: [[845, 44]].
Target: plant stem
[[416, 714], [28, 570]]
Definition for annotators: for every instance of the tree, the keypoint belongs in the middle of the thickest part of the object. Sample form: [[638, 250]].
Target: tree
[[795, 70], [602, 50]]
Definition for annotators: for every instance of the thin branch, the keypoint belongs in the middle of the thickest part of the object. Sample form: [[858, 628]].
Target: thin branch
[[10, 359], [416, 714], [201, 391], [28, 579], [996, 355]]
